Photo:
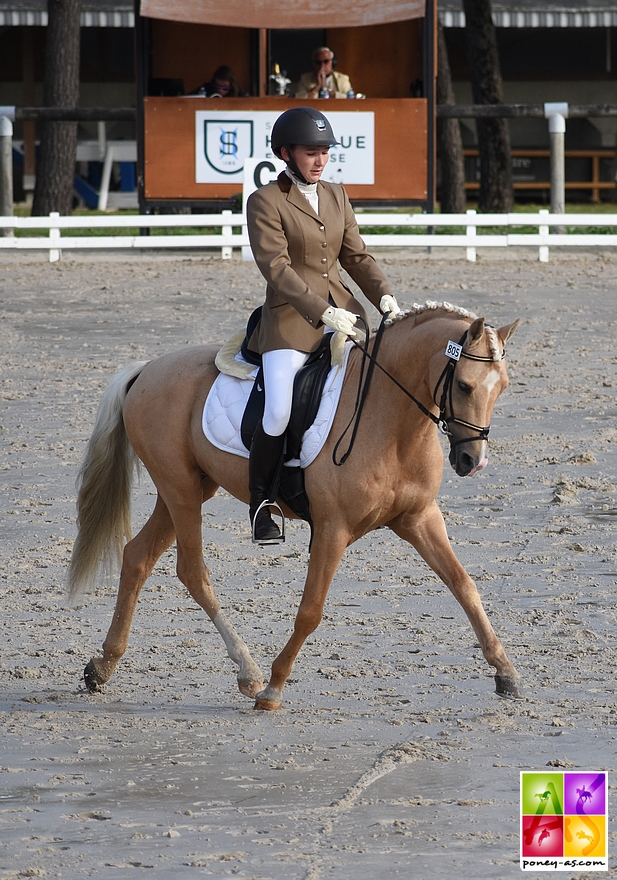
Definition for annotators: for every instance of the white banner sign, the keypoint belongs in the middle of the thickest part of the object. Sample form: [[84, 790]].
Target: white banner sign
[[259, 172], [224, 139]]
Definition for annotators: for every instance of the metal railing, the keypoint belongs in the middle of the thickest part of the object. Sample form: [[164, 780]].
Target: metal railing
[[418, 231]]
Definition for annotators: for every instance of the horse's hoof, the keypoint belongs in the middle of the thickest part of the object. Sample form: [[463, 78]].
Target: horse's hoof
[[508, 686], [250, 688], [268, 699], [92, 679], [268, 705]]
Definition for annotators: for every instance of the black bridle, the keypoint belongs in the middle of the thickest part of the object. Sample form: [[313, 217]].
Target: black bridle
[[446, 379]]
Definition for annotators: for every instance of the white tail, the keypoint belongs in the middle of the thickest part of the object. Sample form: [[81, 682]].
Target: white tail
[[104, 489]]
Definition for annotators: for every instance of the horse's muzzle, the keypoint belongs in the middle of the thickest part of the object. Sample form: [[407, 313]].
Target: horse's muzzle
[[465, 463]]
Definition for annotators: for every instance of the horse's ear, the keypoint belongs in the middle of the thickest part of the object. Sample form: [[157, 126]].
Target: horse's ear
[[475, 332], [505, 333]]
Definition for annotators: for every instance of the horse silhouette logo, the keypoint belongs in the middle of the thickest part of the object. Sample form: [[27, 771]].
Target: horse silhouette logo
[[582, 835], [583, 794], [227, 143]]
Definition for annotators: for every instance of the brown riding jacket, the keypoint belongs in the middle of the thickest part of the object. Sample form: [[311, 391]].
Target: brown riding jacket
[[297, 252]]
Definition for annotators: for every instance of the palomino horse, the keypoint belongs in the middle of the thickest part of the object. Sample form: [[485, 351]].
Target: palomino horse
[[153, 412]]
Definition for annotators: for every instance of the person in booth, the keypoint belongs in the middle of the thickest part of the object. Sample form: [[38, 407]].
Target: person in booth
[[222, 85], [300, 229], [324, 81]]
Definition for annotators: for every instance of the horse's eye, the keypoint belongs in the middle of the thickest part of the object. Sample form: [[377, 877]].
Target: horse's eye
[[464, 388]]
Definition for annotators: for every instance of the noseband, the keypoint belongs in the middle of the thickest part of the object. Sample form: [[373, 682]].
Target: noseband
[[447, 379]]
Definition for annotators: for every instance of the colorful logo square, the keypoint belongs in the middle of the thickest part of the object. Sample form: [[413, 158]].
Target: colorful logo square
[[542, 794], [542, 836], [584, 836], [564, 818], [585, 794]]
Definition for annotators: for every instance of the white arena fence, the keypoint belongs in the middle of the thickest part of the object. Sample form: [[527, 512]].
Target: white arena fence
[[552, 232]]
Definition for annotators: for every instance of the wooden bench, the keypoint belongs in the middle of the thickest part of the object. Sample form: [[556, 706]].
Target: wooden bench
[[595, 184]]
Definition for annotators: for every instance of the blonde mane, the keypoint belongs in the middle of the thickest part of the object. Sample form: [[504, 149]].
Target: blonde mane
[[431, 306]]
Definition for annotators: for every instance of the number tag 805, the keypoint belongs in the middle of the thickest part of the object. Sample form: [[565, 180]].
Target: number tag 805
[[453, 350]]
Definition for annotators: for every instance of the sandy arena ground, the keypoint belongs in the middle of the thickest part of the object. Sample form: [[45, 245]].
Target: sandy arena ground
[[392, 756]]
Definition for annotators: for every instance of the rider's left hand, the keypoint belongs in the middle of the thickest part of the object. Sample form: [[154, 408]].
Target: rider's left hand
[[389, 304]]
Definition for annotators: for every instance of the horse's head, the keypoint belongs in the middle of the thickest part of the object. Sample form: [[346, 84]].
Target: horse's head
[[467, 390]]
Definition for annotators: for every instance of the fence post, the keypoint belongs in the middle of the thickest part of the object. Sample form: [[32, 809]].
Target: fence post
[[543, 230], [557, 113], [54, 239], [226, 230], [471, 231], [247, 251], [6, 172]]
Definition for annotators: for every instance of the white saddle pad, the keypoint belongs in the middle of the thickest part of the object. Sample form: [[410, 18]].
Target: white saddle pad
[[225, 404]]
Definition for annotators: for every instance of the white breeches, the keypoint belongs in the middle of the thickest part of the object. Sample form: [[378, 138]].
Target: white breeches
[[280, 368]]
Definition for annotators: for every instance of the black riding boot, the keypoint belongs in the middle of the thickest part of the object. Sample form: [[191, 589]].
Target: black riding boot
[[264, 462]]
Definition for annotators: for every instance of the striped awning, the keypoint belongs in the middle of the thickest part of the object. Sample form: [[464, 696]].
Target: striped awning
[[116, 18], [538, 18]]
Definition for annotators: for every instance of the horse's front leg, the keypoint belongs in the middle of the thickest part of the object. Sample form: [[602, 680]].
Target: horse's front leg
[[427, 533], [325, 556]]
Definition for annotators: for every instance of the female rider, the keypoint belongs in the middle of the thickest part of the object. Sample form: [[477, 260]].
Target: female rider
[[299, 227]]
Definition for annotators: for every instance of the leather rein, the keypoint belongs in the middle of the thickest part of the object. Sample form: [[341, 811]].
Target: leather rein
[[446, 379]]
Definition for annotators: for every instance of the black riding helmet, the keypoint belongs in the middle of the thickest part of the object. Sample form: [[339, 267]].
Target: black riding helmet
[[302, 126]]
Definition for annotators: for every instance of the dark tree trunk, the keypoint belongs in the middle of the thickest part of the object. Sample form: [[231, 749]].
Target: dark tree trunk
[[486, 85], [449, 140], [56, 163]]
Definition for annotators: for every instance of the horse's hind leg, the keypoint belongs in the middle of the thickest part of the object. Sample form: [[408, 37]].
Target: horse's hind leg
[[139, 558], [428, 535]]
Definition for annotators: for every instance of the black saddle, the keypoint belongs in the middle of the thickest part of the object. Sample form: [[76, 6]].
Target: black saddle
[[308, 388]]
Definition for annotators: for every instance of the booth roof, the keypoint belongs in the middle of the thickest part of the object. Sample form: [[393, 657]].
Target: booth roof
[[537, 13], [94, 13], [279, 14]]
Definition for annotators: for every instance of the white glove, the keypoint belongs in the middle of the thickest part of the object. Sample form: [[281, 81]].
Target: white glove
[[389, 304], [340, 320]]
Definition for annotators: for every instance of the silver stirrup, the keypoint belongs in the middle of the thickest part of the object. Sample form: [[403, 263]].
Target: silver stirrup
[[281, 537]]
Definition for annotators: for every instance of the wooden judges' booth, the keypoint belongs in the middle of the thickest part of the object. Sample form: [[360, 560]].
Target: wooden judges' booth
[[191, 149]]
